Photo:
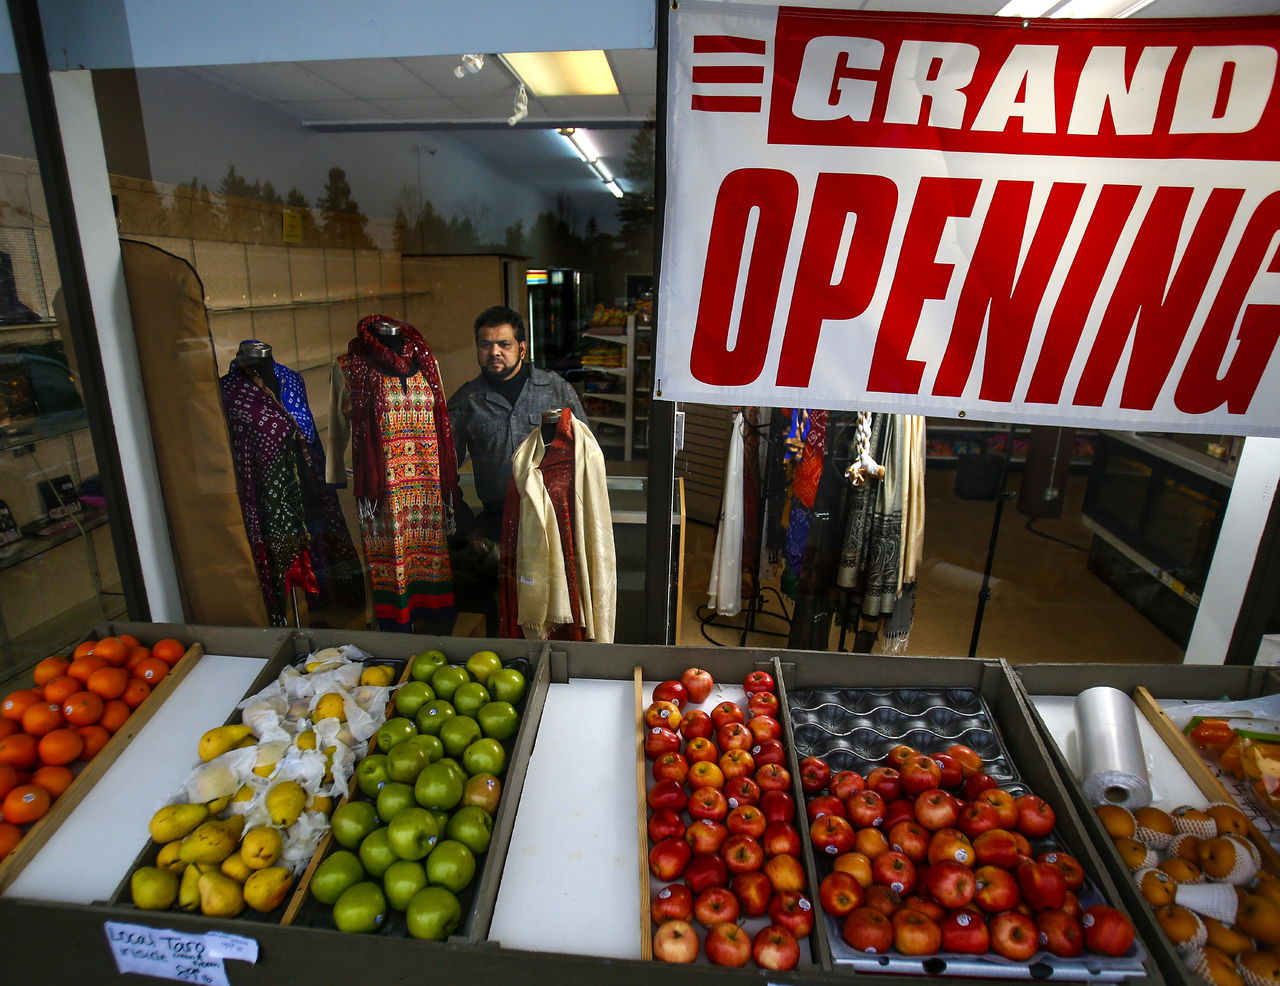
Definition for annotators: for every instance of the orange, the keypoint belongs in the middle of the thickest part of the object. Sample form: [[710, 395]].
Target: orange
[[151, 670], [135, 655], [8, 727], [50, 668], [9, 836], [114, 714], [60, 746], [82, 708], [82, 667], [10, 778], [16, 702], [18, 750], [95, 737], [108, 682], [62, 688], [83, 650], [168, 650], [135, 692], [42, 717], [25, 803], [54, 778], [128, 639], [112, 650]]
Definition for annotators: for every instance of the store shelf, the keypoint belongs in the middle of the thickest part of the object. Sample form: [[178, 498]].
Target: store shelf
[[318, 303], [616, 422], [602, 332], [43, 428], [618, 398], [32, 545], [64, 629], [617, 371], [19, 326]]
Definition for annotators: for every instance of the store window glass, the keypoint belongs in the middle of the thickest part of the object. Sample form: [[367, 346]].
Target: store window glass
[[294, 201], [58, 572]]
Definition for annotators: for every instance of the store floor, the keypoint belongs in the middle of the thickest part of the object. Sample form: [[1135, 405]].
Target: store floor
[[1046, 605]]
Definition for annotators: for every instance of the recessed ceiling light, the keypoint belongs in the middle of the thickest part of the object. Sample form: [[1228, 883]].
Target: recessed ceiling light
[[563, 73]]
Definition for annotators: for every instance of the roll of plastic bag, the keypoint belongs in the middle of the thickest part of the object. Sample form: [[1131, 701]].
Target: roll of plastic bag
[[1113, 767]]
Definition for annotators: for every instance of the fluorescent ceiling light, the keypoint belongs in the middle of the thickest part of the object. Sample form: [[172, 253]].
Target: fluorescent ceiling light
[[563, 73], [613, 187], [587, 153], [1072, 8]]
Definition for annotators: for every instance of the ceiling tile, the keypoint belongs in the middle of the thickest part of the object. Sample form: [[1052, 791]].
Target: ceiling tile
[[382, 78], [636, 71], [281, 81], [419, 109], [437, 72], [335, 109]]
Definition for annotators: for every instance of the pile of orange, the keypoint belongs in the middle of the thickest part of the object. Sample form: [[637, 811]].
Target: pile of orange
[[66, 716]]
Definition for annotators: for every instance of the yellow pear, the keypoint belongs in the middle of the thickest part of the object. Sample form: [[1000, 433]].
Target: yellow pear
[[330, 706], [321, 803], [168, 859], [235, 867], [306, 739], [212, 841], [176, 821], [285, 802], [153, 889], [189, 891], [261, 847], [245, 793], [220, 896], [219, 740], [218, 805], [266, 889], [247, 742], [379, 675]]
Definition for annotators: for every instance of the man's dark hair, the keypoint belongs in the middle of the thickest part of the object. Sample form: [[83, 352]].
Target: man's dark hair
[[500, 315]]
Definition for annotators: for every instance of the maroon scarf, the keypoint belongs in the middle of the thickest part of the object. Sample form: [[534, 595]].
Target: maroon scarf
[[369, 360]]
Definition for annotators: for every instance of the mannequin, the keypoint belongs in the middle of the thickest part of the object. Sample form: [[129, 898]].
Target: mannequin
[[387, 403], [296, 530]]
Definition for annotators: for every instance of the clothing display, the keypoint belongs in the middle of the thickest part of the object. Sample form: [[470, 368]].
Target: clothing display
[[387, 400], [295, 526], [725, 588], [558, 577]]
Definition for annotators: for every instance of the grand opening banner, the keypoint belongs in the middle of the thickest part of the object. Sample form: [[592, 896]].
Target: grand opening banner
[[1050, 221]]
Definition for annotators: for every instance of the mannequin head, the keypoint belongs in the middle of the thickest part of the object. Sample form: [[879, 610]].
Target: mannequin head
[[500, 342]]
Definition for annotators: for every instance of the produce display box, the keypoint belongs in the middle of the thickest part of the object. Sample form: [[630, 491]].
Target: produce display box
[[1179, 681], [270, 644]]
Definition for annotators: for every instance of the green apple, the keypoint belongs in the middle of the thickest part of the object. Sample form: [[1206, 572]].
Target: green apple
[[423, 666], [352, 822], [372, 774], [433, 715], [451, 764], [393, 796], [507, 685], [451, 865], [484, 756], [459, 733], [362, 907], [431, 744], [482, 664], [498, 719], [338, 872], [412, 696], [433, 914], [442, 819], [438, 787], [405, 760], [395, 730], [403, 879], [471, 826], [447, 680], [483, 791], [470, 697], [412, 832], [375, 853]]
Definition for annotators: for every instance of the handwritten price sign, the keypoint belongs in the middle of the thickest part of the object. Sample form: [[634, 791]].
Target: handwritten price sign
[[177, 955]]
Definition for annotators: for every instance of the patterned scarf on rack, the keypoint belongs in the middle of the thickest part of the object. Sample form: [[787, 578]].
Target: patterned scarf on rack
[[370, 360]]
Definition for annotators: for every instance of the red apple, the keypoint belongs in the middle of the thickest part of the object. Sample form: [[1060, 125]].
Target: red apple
[[977, 817], [968, 758], [886, 782], [997, 889], [746, 820], [741, 791], [831, 835], [814, 774], [1005, 804], [870, 841], [708, 802], [663, 714], [927, 906], [972, 787], [763, 704], [1106, 930], [675, 941], [704, 835], [1035, 817], [770, 777], [864, 809], [671, 691], [965, 932], [697, 683], [1073, 906], [781, 838], [786, 873], [951, 884], [935, 809], [665, 824], [726, 712], [778, 806], [867, 930], [845, 782], [669, 858], [911, 839], [1072, 871], [695, 723], [770, 751], [1060, 933], [705, 773], [775, 948], [997, 847], [919, 774], [884, 899], [742, 854], [699, 749], [704, 871], [734, 736], [667, 794], [1043, 886], [839, 894], [953, 845], [856, 864], [793, 911], [895, 871], [1014, 936], [764, 728], [659, 740], [899, 755], [898, 810], [915, 933], [736, 763], [1024, 845], [753, 891], [728, 945], [757, 681], [672, 766], [950, 773], [673, 902], [715, 904], [824, 804]]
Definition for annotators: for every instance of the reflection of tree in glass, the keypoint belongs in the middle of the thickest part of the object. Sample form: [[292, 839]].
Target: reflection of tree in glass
[[635, 208], [296, 201], [343, 223]]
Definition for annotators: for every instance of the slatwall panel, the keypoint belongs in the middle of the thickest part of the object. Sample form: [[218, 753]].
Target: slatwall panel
[[701, 462]]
